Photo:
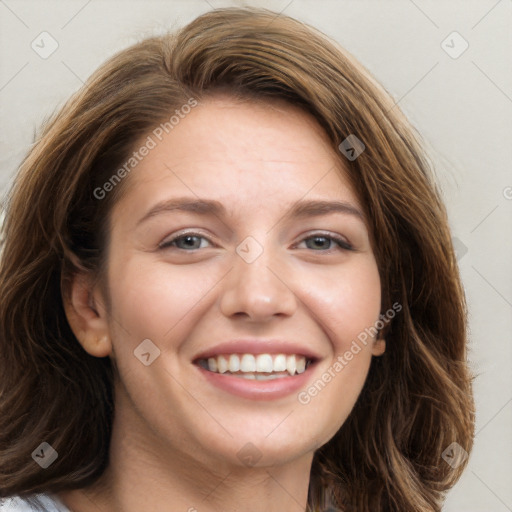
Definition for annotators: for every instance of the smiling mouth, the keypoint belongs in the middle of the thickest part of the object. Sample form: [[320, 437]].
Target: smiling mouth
[[256, 366]]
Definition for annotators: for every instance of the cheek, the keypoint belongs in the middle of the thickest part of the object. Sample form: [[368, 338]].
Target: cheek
[[346, 307], [156, 301], [346, 302]]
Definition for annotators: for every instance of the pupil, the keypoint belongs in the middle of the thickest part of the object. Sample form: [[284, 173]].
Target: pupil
[[319, 240], [189, 240]]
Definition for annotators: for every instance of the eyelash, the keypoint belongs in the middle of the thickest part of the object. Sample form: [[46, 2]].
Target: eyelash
[[340, 242]]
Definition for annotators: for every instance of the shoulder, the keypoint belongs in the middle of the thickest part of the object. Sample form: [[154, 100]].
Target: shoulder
[[33, 503]]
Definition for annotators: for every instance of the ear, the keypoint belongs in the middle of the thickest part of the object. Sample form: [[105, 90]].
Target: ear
[[86, 314], [379, 347]]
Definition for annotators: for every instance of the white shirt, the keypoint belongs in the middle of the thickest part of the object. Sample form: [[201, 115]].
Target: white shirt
[[41, 503]]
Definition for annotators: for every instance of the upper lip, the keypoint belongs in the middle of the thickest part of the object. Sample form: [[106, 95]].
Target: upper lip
[[257, 346]]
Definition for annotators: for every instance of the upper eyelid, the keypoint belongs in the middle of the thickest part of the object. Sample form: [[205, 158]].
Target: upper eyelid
[[179, 235], [334, 237]]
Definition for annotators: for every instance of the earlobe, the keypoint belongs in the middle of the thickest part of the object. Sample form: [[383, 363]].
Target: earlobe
[[87, 316], [379, 347], [97, 346]]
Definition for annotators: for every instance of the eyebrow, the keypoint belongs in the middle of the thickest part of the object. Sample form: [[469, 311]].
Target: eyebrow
[[186, 204], [314, 208], [300, 209]]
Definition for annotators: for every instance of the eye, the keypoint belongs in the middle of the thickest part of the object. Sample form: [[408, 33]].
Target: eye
[[187, 242], [321, 242], [318, 242]]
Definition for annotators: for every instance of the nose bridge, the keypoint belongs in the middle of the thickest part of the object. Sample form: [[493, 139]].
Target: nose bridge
[[255, 287]]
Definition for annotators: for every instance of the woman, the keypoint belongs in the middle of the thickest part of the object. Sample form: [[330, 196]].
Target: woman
[[229, 284]]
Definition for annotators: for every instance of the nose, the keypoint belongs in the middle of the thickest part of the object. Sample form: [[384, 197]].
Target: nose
[[257, 291]]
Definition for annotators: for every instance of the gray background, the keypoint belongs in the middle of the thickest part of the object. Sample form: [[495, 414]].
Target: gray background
[[462, 107]]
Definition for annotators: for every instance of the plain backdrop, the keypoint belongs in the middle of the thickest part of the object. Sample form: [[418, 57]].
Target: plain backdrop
[[461, 105]]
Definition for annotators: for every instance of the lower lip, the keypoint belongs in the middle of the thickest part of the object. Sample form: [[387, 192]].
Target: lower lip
[[258, 389]]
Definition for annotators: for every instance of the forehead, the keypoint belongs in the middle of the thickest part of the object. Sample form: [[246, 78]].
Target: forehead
[[239, 151]]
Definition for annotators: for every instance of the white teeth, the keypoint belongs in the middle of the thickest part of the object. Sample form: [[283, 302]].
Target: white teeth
[[222, 364], [260, 376], [301, 364], [234, 363], [267, 377], [280, 363], [291, 365], [212, 364], [264, 363], [246, 365]]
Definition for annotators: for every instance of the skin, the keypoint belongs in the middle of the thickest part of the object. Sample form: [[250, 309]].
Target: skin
[[175, 436]]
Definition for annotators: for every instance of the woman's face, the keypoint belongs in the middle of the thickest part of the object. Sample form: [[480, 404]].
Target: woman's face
[[240, 251]]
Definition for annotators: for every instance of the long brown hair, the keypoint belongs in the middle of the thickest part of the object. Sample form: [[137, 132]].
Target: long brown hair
[[417, 399]]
